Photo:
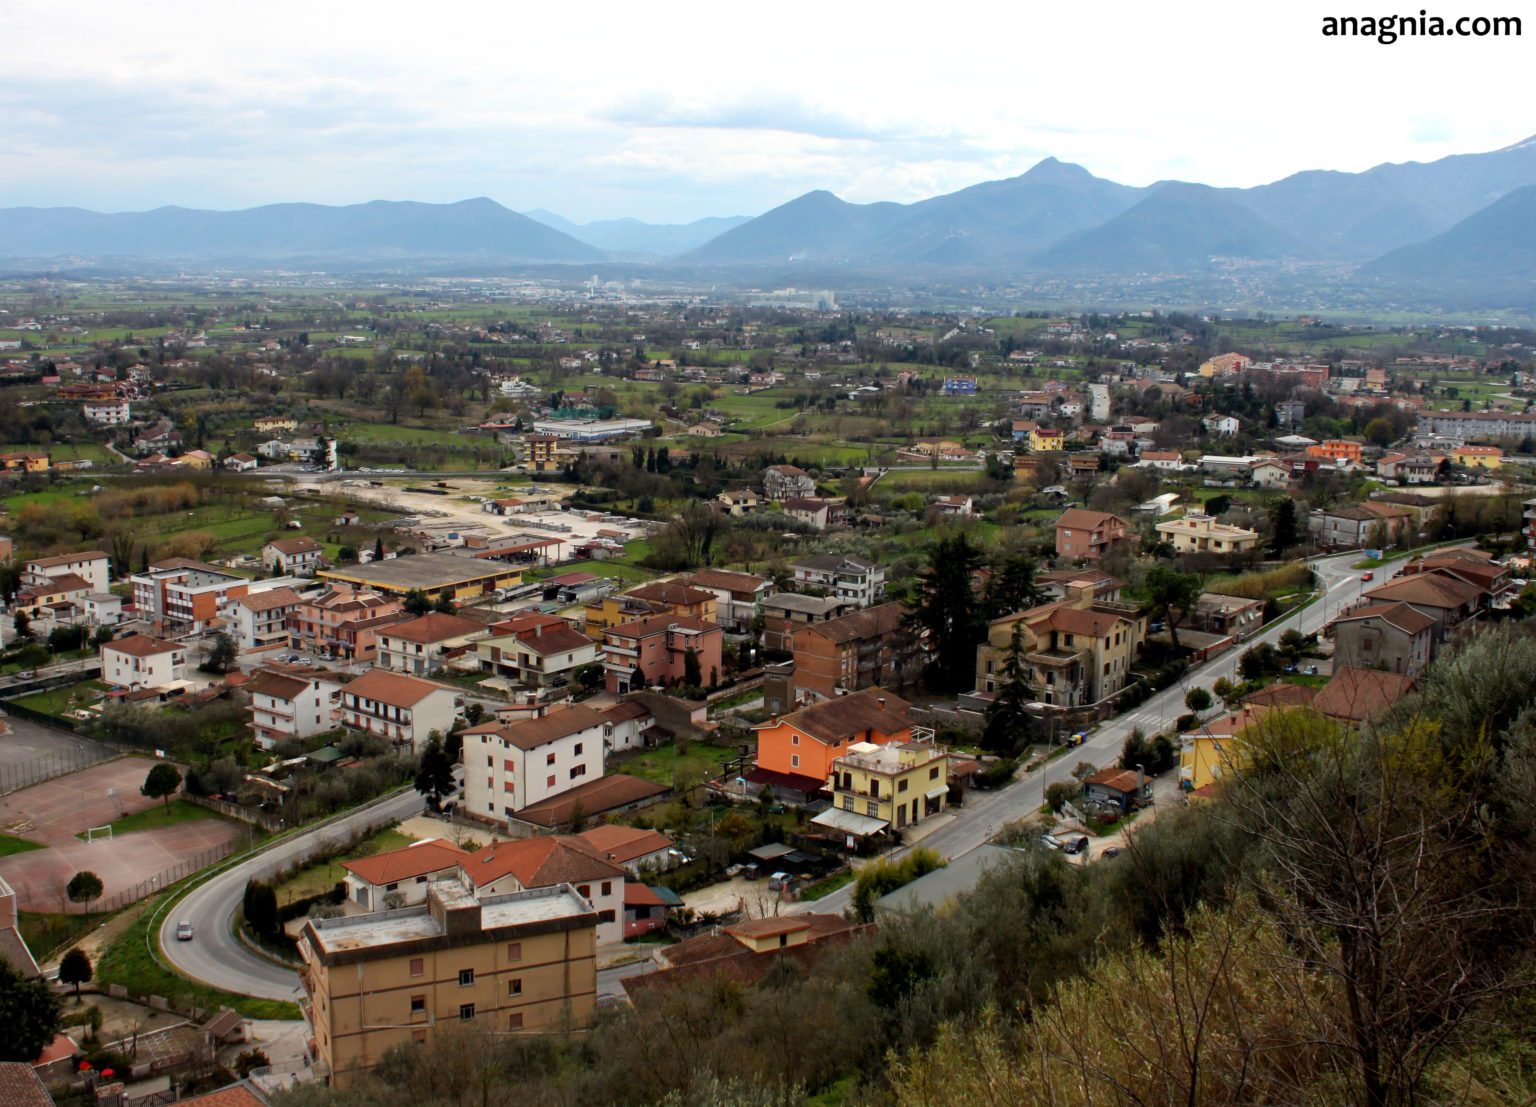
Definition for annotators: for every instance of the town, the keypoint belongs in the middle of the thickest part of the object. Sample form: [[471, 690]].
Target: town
[[384, 661]]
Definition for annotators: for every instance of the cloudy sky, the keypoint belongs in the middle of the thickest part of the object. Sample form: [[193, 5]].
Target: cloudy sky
[[673, 110]]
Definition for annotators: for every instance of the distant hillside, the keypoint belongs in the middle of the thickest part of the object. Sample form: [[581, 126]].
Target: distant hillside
[[1178, 227], [1355, 216], [633, 236], [1489, 257], [814, 227], [481, 229]]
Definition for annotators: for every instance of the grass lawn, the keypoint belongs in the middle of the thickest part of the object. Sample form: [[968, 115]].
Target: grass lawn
[[60, 701], [315, 879], [663, 764], [46, 931], [160, 815], [10, 845], [827, 886]]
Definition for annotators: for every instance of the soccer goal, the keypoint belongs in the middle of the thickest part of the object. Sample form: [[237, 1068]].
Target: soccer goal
[[96, 832]]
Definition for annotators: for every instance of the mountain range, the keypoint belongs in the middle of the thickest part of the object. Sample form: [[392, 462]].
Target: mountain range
[[1465, 221]]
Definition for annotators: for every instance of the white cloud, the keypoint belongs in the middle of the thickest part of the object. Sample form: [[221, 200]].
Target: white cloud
[[685, 109]]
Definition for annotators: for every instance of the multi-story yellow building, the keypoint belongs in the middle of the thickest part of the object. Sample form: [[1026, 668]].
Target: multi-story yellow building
[[1203, 534], [1042, 440], [519, 963], [1478, 457], [1077, 650], [1215, 749], [895, 785], [667, 597], [542, 452]]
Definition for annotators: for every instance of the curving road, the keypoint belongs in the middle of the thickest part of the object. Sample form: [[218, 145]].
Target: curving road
[[216, 958], [987, 812]]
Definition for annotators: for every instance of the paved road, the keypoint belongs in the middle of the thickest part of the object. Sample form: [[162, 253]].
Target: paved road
[[987, 812]]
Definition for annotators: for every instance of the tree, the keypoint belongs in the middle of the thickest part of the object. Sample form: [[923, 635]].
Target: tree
[[1381, 432], [162, 782], [416, 602], [443, 604], [1171, 594], [434, 777], [223, 654], [378, 548], [1197, 699], [692, 676], [1285, 531], [75, 968], [946, 608], [1011, 587], [260, 907], [23, 624], [29, 1011], [83, 887], [1006, 723]]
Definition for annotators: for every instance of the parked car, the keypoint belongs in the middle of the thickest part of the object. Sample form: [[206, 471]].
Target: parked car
[[1048, 842], [1076, 845], [183, 931], [1112, 851]]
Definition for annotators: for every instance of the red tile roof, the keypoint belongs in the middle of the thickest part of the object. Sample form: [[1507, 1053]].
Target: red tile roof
[[290, 546], [837, 719], [418, 859], [1359, 695], [20, 1086], [435, 626], [141, 645], [270, 600], [622, 844], [539, 862], [395, 689]]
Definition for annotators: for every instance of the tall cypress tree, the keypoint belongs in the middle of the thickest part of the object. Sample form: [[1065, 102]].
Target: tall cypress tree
[[948, 610]]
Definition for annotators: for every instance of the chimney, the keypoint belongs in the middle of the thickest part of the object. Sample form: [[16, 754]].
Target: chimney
[[1141, 781], [880, 700]]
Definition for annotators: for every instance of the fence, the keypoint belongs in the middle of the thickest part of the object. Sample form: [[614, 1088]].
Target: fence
[[24, 774], [22, 711], [146, 887], [270, 823]]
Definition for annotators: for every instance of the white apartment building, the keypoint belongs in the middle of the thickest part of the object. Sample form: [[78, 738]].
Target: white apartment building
[[93, 566], [292, 703], [107, 413], [421, 646], [264, 620], [508, 766], [141, 661], [299, 556], [847, 578], [1203, 534], [403, 709]]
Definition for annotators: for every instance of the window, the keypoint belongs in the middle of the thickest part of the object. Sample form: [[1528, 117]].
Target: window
[[418, 1004], [585, 890], [549, 758], [794, 739], [605, 916], [550, 783], [418, 967], [578, 749], [794, 760], [607, 887], [901, 785], [466, 977], [391, 887], [933, 773], [466, 1011], [578, 770], [419, 1037], [515, 1020], [514, 951], [515, 986], [872, 808]]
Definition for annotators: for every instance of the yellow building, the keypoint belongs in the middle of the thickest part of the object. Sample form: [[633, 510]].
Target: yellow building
[[1044, 441], [1224, 364], [666, 597], [437, 574], [890, 786], [1478, 457], [276, 424], [1077, 650], [1215, 749], [518, 963], [542, 452], [24, 461], [1203, 534]]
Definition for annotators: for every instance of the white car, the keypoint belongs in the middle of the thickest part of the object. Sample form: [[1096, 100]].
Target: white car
[[183, 931]]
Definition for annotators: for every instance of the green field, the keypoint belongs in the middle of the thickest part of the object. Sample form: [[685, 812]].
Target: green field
[[152, 818], [664, 764], [10, 845]]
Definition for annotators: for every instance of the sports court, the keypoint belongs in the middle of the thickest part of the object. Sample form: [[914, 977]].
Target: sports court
[[130, 865]]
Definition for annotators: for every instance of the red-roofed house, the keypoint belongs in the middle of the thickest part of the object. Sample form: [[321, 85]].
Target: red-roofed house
[[1077, 650], [549, 860], [401, 708], [1394, 636], [1081, 533], [263, 620], [535, 650], [399, 877], [423, 645], [633, 847], [141, 661], [292, 703], [299, 556], [508, 766], [655, 650]]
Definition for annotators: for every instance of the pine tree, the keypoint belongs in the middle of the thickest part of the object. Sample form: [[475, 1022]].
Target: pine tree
[[434, 777], [1007, 723], [947, 609], [1286, 534]]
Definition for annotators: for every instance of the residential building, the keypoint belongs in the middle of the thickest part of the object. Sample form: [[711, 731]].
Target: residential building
[[847, 578], [1355, 526], [241, 463], [862, 649], [94, 566], [959, 386], [1476, 426], [344, 622], [1076, 651], [537, 651], [554, 861], [276, 424], [1447, 600], [60, 597], [400, 877], [1360, 695], [890, 786], [804, 744], [1203, 534], [1270, 473], [745, 952], [422, 646], [107, 413], [296, 557], [1336, 450], [436, 574], [786, 611], [541, 452], [1236, 616], [1215, 748], [1477, 457], [634, 848], [953, 505], [655, 650], [1047, 440], [263, 620], [24, 461], [292, 703], [517, 963], [1223, 365], [737, 503], [103, 609], [13, 947], [787, 482], [1394, 637], [141, 661], [509, 766], [1222, 426], [186, 596], [738, 596], [1124, 788], [1495, 582], [1090, 535], [1166, 460], [819, 513], [404, 709], [667, 597]]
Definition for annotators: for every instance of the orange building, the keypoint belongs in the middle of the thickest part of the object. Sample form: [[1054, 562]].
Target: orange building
[[1336, 449], [806, 742]]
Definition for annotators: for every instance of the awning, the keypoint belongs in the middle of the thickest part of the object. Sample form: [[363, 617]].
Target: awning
[[941, 790], [850, 822]]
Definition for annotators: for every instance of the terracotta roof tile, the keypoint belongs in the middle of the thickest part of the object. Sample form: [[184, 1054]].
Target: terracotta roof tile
[[395, 689], [418, 859]]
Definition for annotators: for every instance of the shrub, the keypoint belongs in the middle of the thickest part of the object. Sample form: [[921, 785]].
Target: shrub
[[885, 875]]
